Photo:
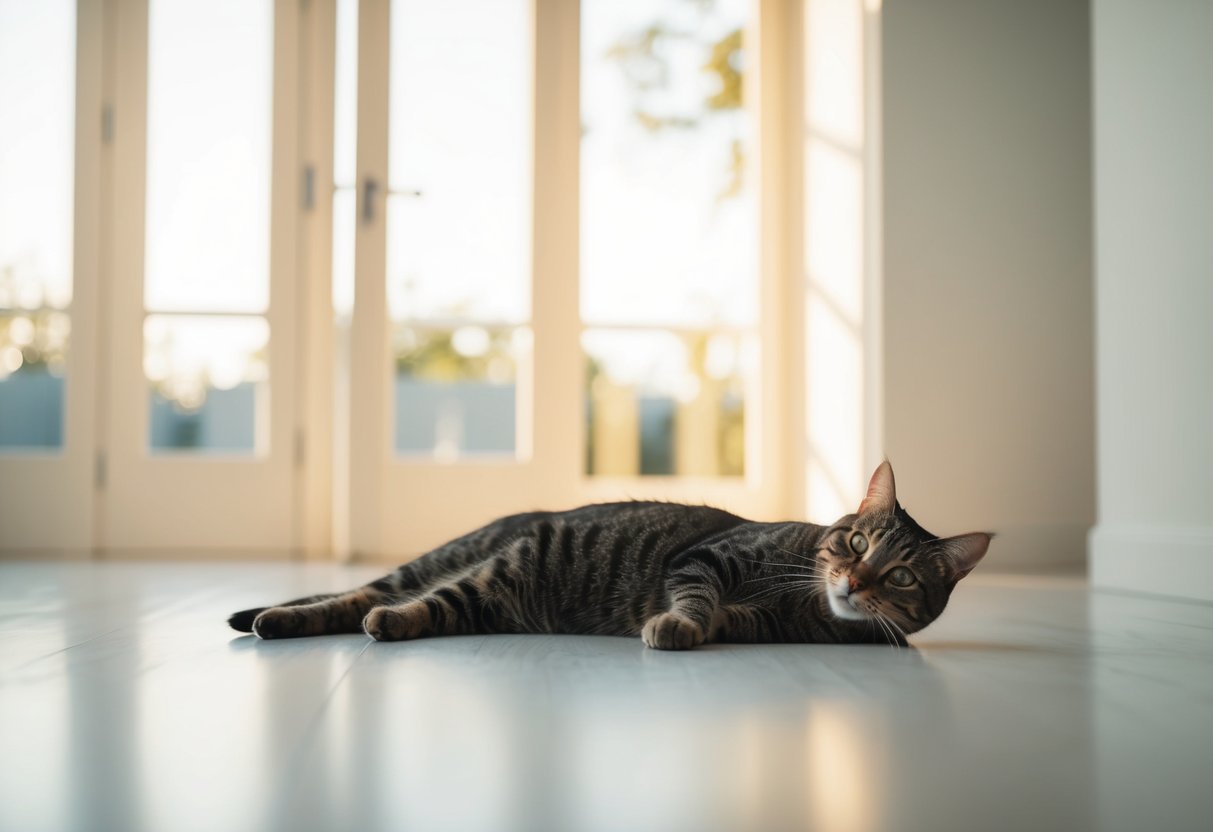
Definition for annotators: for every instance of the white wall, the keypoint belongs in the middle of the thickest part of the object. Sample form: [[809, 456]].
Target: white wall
[[988, 400], [1153, 67]]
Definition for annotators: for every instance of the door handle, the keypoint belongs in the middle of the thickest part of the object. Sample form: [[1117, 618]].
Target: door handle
[[370, 193], [370, 197]]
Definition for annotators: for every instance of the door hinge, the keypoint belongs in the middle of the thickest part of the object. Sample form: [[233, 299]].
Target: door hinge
[[100, 471], [309, 187], [300, 448], [107, 123]]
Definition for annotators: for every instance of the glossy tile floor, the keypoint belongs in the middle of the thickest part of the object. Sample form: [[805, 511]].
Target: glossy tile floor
[[126, 704]]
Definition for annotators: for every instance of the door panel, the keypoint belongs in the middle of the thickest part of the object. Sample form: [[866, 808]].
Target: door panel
[[50, 159], [446, 346], [468, 314], [202, 411]]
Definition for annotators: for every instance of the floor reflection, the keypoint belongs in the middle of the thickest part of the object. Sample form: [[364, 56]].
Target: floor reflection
[[844, 767], [105, 782], [595, 734], [125, 705]]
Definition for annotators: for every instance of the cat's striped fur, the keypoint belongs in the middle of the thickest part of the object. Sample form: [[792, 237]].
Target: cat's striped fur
[[676, 575]]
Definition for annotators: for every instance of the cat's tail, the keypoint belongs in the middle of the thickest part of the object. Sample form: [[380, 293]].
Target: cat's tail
[[243, 621]]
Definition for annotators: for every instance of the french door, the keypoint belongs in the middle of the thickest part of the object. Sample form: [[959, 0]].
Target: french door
[[555, 303], [199, 434], [50, 92], [320, 275]]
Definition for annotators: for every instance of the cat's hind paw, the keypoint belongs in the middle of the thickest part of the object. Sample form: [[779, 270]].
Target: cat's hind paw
[[670, 631], [280, 622], [397, 623]]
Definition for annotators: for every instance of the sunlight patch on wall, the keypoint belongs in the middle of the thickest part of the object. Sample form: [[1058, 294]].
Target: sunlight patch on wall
[[836, 267]]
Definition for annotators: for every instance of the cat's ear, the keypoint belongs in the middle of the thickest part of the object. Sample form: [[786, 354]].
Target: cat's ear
[[965, 551], [882, 492]]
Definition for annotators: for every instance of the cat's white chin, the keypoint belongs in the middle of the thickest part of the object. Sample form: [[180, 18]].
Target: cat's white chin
[[841, 606]]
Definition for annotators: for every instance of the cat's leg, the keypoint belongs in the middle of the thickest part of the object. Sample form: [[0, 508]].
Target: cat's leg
[[693, 592], [470, 603], [409, 580], [243, 620], [745, 624], [342, 613]]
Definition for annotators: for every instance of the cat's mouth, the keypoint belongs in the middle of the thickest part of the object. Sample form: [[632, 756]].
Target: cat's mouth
[[842, 600]]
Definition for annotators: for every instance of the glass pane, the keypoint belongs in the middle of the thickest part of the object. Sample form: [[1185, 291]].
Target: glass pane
[[210, 78], [668, 232], [661, 402], [208, 382], [37, 169], [33, 354], [456, 389], [460, 150], [345, 91], [37, 146], [345, 230], [345, 158]]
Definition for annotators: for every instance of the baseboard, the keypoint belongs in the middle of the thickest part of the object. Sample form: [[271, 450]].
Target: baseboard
[[52, 554], [166, 555], [1154, 560]]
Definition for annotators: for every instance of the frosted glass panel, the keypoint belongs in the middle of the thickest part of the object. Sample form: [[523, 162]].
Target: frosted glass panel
[[456, 389], [208, 379], [210, 78], [37, 168], [33, 357], [667, 207], [460, 160], [662, 402]]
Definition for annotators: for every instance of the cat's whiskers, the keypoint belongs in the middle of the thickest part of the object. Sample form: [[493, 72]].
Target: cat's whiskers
[[787, 569], [873, 614], [797, 554], [780, 578], [790, 565], [898, 627], [811, 566], [874, 619], [890, 625], [818, 573], [790, 581], [761, 597], [767, 592], [885, 624]]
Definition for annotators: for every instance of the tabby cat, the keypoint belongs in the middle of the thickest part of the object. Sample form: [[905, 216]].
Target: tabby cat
[[675, 575]]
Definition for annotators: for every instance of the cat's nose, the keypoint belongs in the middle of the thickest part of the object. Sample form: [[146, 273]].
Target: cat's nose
[[855, 583]]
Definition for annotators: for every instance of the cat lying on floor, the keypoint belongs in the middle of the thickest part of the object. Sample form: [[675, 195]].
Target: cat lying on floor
[[675, 575]]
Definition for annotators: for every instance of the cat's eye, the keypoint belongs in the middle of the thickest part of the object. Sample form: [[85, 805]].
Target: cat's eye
[[859, 543], [901, 577]]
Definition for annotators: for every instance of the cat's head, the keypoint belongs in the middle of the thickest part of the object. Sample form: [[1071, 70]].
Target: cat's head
[[880, 563]]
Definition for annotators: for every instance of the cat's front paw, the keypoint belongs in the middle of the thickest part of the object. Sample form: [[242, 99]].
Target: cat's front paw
[[670, 631]]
